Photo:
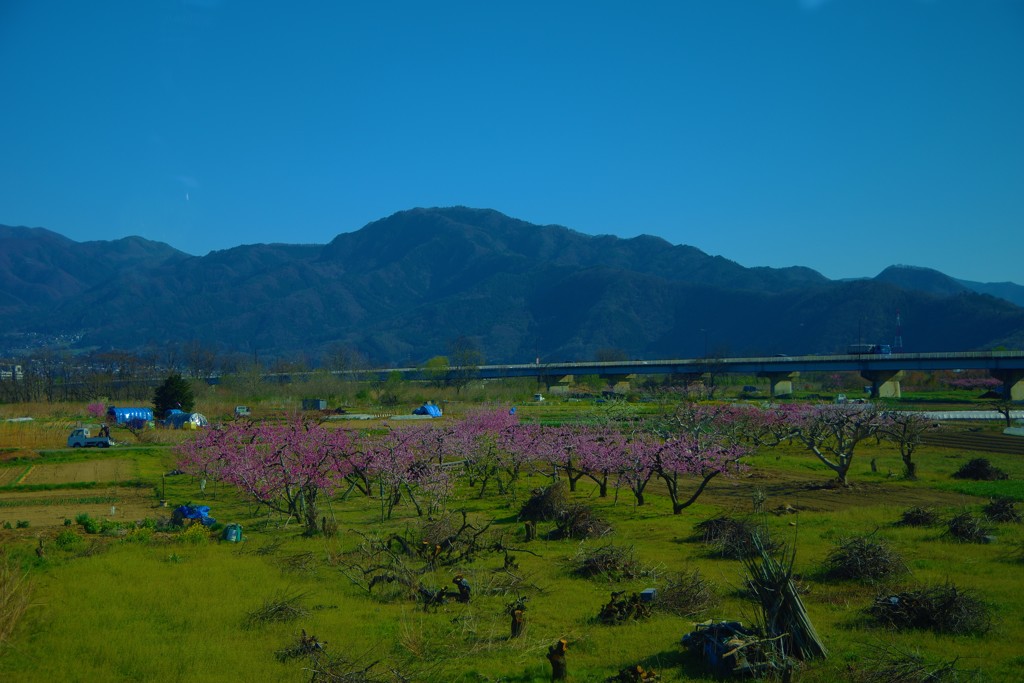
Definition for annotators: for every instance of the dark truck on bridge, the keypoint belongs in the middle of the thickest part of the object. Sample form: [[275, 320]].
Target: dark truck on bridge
[[878, 349]]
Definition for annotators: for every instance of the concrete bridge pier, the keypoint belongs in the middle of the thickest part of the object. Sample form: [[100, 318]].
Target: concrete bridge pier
[[1013, 382], [620, 384], [781, 382], [884, 383], [687, 379]]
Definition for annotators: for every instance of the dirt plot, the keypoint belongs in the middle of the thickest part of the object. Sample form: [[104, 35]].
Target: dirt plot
[[76, 472], [51, 508], [820, 493], [9, 475]]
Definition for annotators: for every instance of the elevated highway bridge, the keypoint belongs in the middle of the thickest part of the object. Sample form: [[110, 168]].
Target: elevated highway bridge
[[882, 370]]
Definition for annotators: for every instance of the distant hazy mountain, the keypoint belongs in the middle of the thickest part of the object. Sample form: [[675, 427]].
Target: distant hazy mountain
[[402, 288], [921, 280], [1004, 290], [39, 267]]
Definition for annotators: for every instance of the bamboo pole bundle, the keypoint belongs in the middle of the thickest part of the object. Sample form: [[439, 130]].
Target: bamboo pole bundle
[[771, 582]]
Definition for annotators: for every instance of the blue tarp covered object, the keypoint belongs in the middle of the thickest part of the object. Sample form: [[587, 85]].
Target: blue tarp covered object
[[431, 409], [182, 420], [201, 513], [125, 415]]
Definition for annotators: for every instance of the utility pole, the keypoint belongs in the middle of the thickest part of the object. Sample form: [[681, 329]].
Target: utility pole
[[897, 343]]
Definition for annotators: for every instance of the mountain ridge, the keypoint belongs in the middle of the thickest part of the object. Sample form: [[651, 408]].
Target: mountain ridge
[[402, 288]]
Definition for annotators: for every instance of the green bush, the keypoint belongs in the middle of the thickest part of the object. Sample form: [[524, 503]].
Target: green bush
[[67, 540], [141, 535], [195, 534], [91, 526], [111, 528]]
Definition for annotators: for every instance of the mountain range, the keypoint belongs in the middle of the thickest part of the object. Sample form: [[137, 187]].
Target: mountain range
[[410, 286]]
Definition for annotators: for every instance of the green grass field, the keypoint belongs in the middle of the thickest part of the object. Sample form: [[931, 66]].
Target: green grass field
[[145, 604]]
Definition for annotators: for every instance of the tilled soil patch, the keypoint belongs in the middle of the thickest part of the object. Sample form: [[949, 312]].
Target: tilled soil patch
[[51, 508], [819, 493]]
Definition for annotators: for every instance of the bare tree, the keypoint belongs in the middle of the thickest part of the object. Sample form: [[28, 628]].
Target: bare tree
[[832, 432], [200, 359], [346, 360], [465, 358], [1004, 404], [905, 429]]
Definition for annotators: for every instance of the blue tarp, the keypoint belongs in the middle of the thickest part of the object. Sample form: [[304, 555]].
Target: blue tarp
[[197, 512], [430, 409]]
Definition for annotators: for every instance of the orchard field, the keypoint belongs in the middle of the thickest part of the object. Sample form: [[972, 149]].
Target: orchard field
[[97, 584]]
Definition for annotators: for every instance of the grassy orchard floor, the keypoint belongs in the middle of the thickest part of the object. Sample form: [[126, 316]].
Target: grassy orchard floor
[[153, 607]]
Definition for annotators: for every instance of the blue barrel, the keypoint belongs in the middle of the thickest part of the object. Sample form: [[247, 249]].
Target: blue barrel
[[233, 533]]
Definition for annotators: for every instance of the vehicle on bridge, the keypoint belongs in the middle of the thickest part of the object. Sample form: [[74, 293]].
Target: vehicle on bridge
[[881, 349]]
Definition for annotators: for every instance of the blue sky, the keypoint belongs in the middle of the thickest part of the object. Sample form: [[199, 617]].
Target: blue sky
[[844, 135]]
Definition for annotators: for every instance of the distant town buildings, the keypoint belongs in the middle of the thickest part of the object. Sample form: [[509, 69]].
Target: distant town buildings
[[9, 372]]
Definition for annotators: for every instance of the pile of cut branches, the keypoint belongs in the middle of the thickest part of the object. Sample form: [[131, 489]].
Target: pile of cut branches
[[980, 469], [277, 609], [919, 516], [685, 594], [609, 562], [1001, 510], [305, 645], [943, 609], [729, 538], [572, 520], [327, 669], [864, 559], [579, 521], [892, 665], [634, 674], [966, 528], [546, 504], [300, 563]]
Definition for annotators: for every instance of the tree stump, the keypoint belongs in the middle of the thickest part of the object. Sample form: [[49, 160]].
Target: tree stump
[[463, 587], [518, 623], [556, 655]]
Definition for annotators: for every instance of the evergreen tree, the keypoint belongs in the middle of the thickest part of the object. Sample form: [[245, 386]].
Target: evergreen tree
[[175, 392]]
